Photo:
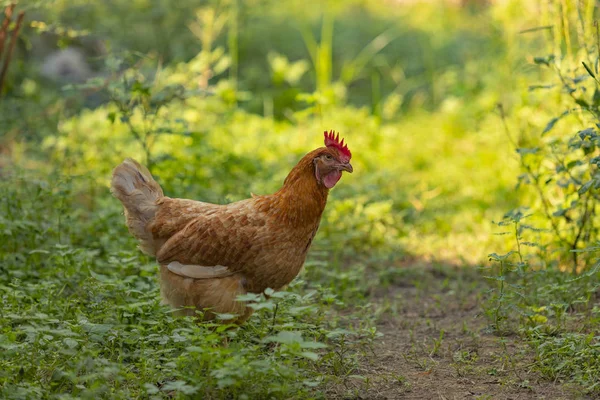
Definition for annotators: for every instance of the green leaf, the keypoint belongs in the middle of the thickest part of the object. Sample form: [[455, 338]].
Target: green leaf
[[585, 187], [70, 343], [588, 133], [265, 305], [544, 60], [574, 163], [313, 345], [550, 124], [226, 316], [285, 337], [310, 355], [150, 388], [588, 69], [339, 332], [524, 150], [554, 120], [248, 297], [39, 251], [179, 386], [500, 257], [560, 212], [596, 98], [279, 295], [537, 87], [582, 102]]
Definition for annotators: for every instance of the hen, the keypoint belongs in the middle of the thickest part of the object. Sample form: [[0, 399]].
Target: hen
[[209, 254]]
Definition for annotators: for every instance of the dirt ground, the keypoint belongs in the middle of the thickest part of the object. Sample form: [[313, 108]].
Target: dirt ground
[[414, 360]]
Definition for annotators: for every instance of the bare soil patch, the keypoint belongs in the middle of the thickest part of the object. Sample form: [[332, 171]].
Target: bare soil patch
[[436, 345]]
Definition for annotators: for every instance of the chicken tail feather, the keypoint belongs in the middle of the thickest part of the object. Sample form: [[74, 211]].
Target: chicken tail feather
[[134, 186]]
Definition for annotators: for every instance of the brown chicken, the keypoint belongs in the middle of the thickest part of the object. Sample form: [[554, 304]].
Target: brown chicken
[[209, 254]]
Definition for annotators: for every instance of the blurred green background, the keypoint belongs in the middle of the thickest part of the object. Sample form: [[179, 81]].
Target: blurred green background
[[227, 95]]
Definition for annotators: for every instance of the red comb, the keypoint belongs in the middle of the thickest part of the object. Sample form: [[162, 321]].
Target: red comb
[[333, 140]]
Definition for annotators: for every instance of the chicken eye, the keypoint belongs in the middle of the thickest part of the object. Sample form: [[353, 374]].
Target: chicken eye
[[328, 157]]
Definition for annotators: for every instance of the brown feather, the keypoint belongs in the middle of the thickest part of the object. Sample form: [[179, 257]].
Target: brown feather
[[134, 186]]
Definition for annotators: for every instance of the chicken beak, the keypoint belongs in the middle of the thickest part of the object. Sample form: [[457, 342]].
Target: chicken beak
[[346, 167]]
